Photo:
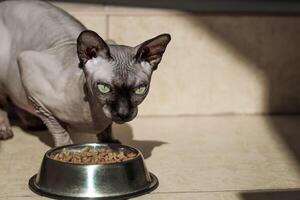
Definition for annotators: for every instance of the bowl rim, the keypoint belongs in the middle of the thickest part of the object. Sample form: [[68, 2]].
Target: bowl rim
[[152, 186], [138, 153]]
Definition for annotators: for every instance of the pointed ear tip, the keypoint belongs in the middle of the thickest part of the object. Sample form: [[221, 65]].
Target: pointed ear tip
[[167, 35]]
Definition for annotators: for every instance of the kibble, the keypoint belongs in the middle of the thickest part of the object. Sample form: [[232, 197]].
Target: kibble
[[92, 156]]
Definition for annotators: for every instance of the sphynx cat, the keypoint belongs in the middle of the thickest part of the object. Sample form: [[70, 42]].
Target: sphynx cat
[[53, 71]]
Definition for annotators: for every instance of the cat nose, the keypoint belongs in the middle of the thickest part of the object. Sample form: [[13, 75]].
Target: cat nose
[[123, 111], [123, 114]]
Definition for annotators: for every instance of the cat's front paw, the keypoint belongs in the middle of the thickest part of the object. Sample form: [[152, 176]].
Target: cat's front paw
[[5, 131]]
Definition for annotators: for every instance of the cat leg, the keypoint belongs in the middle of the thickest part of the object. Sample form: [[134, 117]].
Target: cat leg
[[60, 136], [5, 127], [106, 136]]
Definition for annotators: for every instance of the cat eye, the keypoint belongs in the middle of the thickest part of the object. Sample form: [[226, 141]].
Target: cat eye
[[103, 88], [140, 89]]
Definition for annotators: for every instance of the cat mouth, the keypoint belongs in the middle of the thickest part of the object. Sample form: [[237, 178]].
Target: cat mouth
[[121, 121], [117, 119]]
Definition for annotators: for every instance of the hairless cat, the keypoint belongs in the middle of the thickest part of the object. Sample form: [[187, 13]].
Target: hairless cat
[[54, 71]]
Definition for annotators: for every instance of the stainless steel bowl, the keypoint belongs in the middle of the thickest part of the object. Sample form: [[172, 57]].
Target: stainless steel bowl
[[123, 180]]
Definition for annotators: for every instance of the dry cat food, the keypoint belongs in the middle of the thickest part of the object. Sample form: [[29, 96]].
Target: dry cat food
[[92, 156]]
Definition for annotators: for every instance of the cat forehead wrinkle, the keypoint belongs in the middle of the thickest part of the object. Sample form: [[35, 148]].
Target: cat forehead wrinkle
[[121, 49], [132, 80], [123, 65], [123, 56]]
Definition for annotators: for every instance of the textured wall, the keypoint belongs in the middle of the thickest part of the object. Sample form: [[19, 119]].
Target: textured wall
[[214, 64]]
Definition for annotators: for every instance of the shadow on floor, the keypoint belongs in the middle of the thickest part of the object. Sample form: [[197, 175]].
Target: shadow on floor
[[292, 194], [124, 133], [121, 132], [44, 136], [288, 127]]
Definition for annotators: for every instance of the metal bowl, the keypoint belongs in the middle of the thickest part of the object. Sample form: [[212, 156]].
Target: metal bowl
[[122, 180]]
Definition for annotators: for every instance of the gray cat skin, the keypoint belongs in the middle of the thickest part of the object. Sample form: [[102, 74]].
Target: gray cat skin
[[54, 71]]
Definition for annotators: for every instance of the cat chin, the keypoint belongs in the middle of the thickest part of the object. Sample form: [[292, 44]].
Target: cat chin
[[119, 121], [122, 121]]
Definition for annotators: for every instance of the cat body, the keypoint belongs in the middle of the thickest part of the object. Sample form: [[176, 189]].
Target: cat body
[[54, 70]]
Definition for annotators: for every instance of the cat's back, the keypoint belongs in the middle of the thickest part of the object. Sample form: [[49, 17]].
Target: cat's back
[[29, 25], [37, 25]]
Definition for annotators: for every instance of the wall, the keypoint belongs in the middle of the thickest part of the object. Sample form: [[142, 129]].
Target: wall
[[215, 64]]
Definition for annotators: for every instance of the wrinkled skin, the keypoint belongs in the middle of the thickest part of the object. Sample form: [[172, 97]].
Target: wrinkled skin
[[52, 70]]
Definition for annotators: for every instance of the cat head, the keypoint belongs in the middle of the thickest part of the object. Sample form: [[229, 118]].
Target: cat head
[[119, 76]]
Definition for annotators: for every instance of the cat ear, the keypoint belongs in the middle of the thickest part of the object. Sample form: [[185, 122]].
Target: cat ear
[[152, 50], [91, 45]]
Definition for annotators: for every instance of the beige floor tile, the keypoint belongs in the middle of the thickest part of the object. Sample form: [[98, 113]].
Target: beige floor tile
[[192, 196], [188, 154], [216, 153], [5, 160], [24, 153], [20, 143], [233, 195], [26, 198]]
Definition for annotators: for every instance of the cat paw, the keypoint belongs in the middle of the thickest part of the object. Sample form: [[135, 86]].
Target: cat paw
[[5, 132]]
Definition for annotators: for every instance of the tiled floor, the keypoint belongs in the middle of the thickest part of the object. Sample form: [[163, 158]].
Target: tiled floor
[[195, 158]]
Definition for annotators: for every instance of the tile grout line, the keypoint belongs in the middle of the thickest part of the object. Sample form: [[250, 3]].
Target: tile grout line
[[220, 191], [195, 192], [218, 115], [107, 31]]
